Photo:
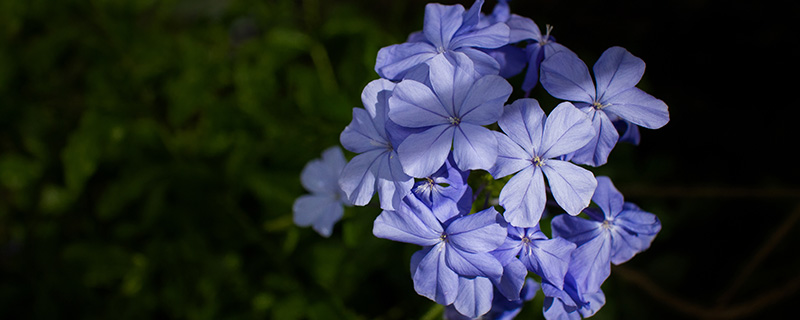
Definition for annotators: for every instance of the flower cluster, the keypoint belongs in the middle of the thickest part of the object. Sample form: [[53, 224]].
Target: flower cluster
[[440, 113]]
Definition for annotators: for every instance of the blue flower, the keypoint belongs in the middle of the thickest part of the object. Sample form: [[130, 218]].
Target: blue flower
[[456, 248], [548, 258], [614, 233], [374, 137], [449, 30], [570, 302], [449, 113], [531, 146], [446, 191], [323, 207], [616, 72]]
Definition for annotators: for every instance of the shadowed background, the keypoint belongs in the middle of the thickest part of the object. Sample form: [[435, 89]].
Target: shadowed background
[[150, 154]]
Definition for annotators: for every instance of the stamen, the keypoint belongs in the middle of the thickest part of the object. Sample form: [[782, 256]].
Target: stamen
[[537, 161], [454, 121]]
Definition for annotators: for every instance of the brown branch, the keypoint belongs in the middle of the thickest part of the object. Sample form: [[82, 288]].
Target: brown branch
[[763, 251], [698, 311]]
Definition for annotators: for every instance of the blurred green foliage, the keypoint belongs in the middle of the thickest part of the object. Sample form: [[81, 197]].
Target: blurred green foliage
[[150, 154]]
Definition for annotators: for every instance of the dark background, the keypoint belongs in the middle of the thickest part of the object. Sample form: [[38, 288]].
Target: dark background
[[150, 154]]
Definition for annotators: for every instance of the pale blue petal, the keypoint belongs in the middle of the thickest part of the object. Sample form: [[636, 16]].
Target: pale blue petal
[[322, 175], [615, 71], [319, 211], [576, 230], [493, 36], [421, 154], [633, 232], [549, 259], [566, 77], [572, 186], [607, 197], [450, 82], [433, 279], [441, 23], [638, 107], [524, 198], [414, 105], [412, 223], [508, 250], [591, 263], [358, 177], [375, 98], [595, 153], [393, 184], [480, 232], [474, 296], [510, 157], [361, 135], [482, 62], [514, 273], [523, 122], [470, 18], [474, 147], [512, 59], [596, 301], [522, 28], [483, 104], [467, 264], [394, 61], [567, 129]]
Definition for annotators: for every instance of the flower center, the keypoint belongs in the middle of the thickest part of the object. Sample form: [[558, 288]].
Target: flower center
[[598, 106], [537, 161], [443, 237], [606, 225], [454, 121]]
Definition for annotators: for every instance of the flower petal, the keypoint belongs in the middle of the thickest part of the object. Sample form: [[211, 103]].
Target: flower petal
[[321, 211], [549, 259], [483, 104], [607, 197], [474, 296], [358, 177], [513, 279], [467, 264], [572, 186], [433, 279], [421, 154], [393, 184], [566, 77], [639, 108], [524, 198], [474, 147], [394, 61], [451, 81], [322, 175], [361, 135], [375, 98], [493, 36], [412, 222], [523, 122], [567, 129], [510, 157], [595, 152], [617, 70], [482, 63], [480, 232], [441, 23], [414, 105]]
